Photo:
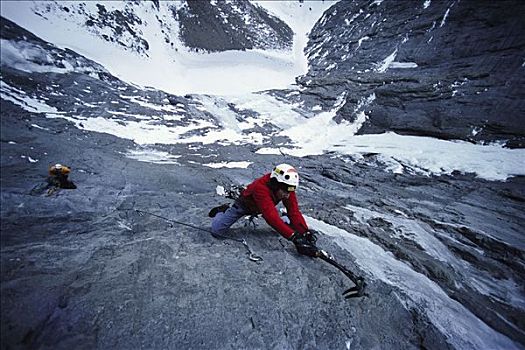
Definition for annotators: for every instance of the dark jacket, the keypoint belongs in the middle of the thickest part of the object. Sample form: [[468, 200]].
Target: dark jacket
[[260, 198]]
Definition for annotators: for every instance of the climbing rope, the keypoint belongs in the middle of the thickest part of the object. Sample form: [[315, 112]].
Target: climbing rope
[[251, 255]]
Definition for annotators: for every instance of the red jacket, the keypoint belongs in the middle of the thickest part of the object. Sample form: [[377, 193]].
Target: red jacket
[[259, 198]]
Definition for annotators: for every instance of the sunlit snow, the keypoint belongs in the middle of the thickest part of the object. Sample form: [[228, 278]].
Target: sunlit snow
[[243, 165], [445, 17], [309, 136], [403, 65], [423, 155], [382, 66], [153, 156]]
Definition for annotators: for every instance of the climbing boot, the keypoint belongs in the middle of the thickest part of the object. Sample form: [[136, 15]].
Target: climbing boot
[[220, 209]]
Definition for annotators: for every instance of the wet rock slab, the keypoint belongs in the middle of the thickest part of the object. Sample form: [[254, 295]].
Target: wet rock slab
[[83, 269]]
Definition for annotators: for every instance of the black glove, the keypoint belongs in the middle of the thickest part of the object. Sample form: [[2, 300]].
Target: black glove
[[310, 236], [304, 246]]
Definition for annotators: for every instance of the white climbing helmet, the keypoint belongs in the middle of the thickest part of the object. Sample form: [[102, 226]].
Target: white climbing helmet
[[285, 173]]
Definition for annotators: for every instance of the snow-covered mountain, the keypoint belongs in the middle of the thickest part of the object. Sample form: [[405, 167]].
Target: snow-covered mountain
[[158, 106], [161, 44], [421, 84]]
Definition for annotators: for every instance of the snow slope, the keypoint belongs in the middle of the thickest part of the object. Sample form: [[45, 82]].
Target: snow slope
[[317, 135], [173, 68]]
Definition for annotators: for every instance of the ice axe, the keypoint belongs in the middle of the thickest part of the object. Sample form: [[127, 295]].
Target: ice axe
[[354, 292]]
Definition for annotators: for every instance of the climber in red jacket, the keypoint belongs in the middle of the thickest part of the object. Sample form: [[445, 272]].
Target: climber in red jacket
[[261, 197]]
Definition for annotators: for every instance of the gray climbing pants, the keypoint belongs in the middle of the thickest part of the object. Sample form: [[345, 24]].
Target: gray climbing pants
[[223, 221]]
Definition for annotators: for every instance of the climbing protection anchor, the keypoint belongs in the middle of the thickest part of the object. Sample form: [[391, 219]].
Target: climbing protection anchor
[[354, 292]]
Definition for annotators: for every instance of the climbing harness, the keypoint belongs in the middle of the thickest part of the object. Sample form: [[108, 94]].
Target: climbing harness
[[251, 222], [251, 255], [234, 191]]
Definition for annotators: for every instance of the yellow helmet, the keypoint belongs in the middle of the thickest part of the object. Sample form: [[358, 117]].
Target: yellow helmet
[[59, 169]]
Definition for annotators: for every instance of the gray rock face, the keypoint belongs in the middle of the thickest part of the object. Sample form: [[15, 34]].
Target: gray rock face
[[83, 269], [231, 25], [452, 69]]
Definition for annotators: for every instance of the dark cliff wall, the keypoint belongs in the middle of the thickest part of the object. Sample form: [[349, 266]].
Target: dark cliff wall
[[470, 73], [237, 25]]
